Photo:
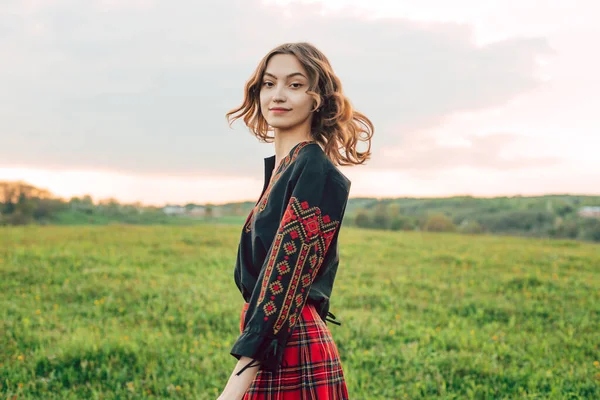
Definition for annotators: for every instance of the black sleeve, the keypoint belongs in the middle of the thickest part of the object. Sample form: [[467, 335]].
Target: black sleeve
[[311, 218]]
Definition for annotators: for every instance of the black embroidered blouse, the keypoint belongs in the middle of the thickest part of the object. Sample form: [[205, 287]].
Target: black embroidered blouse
[[288, 251]]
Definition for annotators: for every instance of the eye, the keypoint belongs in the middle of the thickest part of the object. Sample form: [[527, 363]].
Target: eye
[[299, 85], [267, 82]]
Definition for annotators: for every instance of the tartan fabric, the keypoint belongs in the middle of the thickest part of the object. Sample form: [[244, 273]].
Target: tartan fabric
[[311, 367]]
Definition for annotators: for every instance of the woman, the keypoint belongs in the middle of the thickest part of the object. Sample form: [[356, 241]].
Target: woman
[[288, 252]]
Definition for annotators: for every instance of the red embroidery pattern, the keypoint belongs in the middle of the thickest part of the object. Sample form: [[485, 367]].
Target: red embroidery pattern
[[262, 202], [288, 300], [310, 235], [270, 308], [269, 269]]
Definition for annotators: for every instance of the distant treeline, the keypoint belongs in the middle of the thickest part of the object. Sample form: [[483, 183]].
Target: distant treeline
[[22, 203], [555, 216]]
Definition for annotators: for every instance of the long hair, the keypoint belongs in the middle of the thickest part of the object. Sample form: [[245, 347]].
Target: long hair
[[335, 126]]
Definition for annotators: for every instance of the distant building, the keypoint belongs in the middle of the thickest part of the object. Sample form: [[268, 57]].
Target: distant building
[[589, 212], [173, 210], [192, 211], [196, 211]]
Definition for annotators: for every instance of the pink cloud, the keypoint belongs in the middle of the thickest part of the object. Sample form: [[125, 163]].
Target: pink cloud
[[500, 151]]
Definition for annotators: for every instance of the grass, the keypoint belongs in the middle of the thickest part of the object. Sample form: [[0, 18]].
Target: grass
[[107, 312]]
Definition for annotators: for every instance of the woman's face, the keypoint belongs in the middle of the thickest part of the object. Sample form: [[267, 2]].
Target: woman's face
[[284, 85]]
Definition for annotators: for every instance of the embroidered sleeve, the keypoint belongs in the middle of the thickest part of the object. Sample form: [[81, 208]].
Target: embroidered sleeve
[[311, 218]]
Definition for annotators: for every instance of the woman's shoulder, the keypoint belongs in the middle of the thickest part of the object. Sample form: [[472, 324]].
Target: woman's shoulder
[[313, 158]]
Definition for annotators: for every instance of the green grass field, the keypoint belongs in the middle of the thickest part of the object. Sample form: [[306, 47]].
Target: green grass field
[[120, 312]]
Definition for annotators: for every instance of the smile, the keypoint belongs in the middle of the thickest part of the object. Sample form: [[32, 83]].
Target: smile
[[279, 111]]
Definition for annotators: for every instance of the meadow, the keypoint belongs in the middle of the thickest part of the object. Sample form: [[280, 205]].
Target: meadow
[[130, 312]]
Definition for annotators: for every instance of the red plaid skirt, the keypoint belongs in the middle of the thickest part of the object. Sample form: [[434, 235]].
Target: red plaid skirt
[[310, 369]]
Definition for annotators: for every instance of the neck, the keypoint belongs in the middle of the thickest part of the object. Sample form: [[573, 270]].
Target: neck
[[284, 142]]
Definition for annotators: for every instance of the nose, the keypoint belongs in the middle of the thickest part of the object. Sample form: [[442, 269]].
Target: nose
[[278, 94]]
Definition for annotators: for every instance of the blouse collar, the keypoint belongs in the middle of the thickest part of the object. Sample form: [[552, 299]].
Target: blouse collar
[[270, 161]]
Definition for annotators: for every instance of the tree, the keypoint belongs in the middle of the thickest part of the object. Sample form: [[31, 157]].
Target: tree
[[563, 208], [109, 207], [394, 210], [362, 219], [564, 228], [518, 221], [470, 227], [402, 223], [209, 211], [590, 229], [45, 208], [381, 216], [439, 223], [18, 218]]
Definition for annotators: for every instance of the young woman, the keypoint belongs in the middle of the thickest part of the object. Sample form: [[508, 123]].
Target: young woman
[[288, 252]]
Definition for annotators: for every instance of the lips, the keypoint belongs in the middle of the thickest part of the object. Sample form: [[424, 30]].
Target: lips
[[279, 111]]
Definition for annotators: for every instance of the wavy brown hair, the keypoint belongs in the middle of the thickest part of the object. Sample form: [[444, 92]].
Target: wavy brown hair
[[336, 125]]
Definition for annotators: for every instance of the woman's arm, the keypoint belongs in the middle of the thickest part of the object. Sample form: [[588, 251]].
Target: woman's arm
[[238, 385]]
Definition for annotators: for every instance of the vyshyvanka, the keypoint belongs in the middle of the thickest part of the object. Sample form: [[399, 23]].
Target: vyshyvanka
[[285, 270]]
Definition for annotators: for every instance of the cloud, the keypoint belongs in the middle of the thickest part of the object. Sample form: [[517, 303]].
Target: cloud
[[427, 154], [143, 86]]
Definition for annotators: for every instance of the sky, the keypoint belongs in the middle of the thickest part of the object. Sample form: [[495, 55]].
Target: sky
[[127, 98]]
